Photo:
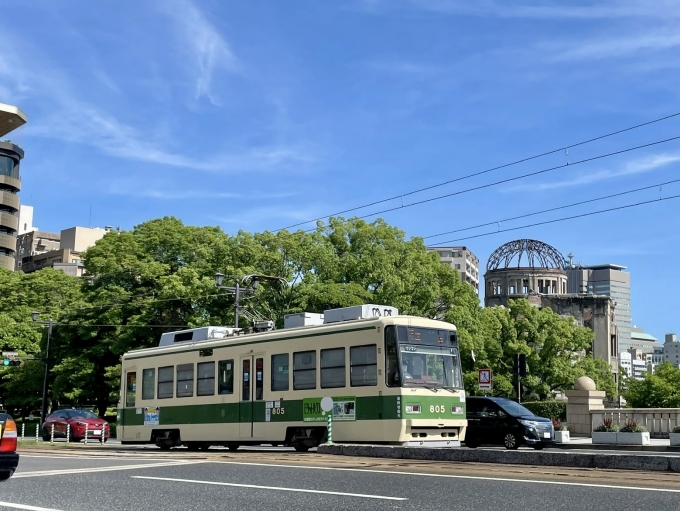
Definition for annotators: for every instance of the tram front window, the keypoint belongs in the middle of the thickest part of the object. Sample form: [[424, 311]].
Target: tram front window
[[430, 366]]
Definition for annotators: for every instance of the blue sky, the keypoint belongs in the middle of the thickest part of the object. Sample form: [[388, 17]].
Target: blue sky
[[258, 115]]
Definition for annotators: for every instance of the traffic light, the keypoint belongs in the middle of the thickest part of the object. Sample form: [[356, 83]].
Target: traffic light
[[7, 362], [519, 365]]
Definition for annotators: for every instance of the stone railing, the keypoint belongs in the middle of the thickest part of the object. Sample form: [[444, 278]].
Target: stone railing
[[658, 421]]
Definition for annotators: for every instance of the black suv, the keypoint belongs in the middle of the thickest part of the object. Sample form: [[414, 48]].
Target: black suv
[[9, 459], [496, 420]]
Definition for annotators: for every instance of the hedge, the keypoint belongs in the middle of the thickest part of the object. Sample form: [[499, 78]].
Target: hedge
[[548, 409]]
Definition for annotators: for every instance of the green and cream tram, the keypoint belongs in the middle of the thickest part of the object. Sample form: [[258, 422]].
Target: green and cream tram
[[392, 379]]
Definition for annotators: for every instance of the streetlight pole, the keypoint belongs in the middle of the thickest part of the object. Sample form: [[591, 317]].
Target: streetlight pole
[[50, 323], [254, 281]]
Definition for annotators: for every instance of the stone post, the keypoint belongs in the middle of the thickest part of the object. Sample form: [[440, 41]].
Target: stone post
[[581, 401]]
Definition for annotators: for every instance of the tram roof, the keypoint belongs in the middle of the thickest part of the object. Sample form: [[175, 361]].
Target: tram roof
[[288, 333]]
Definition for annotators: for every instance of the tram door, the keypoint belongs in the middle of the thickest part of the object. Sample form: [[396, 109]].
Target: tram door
[[252, 390]]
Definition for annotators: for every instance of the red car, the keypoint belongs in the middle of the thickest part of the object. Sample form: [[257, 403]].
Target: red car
[[79, 421], [9, 459]]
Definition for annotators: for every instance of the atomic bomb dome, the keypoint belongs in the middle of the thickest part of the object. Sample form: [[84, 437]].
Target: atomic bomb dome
[[523, 267]]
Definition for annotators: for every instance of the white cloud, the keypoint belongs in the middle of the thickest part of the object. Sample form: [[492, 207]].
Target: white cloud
[[206, 49], [638, 166], [602, 48]]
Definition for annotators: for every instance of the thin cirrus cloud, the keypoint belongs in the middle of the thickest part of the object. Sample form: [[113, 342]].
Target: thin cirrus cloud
[[638, 166], [613, 47], [206, 50]]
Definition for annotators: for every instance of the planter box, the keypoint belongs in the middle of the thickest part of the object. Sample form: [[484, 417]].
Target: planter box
[[675, 438], [633, 438], [562, 437], [604, 437]]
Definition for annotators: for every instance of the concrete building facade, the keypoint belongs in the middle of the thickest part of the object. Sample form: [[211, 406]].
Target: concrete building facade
[[610, 280], [10, 184], [634, 363], [671, 349], [65, 250], [641, 340], [463, 261], [32, 244]]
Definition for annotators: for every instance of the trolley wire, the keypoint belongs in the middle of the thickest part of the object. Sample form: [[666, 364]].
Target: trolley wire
[[564, 219], [479, 173], [552, 209], [516, 178]]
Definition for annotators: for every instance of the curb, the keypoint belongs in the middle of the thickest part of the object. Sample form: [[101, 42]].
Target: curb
[[652, 463]]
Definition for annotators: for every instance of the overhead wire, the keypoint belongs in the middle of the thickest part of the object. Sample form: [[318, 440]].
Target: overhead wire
[[492, 169], [564, 219], [552, 209], [515, 178]]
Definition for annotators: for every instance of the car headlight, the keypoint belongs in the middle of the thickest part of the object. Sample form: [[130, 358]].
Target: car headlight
[[81, 423], [456, 409], [529, 424]]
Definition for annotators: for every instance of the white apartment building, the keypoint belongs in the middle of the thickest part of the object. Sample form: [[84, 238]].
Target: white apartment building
[[635, 367], [462, 260]]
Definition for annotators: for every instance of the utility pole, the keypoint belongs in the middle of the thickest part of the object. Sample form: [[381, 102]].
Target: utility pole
[[49, 324]]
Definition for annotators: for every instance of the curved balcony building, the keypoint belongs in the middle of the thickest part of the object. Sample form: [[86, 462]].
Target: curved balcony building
[[10, 184]]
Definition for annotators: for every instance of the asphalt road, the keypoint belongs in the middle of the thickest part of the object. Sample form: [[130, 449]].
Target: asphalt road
[[257, 480]]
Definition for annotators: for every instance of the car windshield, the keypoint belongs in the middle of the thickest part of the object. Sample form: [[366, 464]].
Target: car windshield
[[514, 409], [80, 414], [430, 366]]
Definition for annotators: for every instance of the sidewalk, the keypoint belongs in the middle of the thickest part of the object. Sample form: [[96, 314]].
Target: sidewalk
[[656, 444]]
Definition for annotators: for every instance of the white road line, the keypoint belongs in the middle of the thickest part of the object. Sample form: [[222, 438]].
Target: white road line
[[125, 457], [277, 488], [450, 476], [44, 473], [24, 506]]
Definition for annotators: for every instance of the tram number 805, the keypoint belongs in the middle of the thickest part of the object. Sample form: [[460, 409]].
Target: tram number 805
[[437, 409], [278, 411]]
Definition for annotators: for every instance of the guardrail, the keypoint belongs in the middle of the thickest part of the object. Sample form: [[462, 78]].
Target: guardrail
[[658, 421]]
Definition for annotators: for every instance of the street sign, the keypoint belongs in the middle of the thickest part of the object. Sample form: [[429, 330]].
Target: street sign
[[10, 354], [485, 379]]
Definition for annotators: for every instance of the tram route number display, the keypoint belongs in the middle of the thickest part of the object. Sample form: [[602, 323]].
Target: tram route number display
[[344, 409]]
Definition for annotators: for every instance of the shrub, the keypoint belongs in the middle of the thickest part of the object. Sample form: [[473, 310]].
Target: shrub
[[607, 426], [676, 429], [556, 409], [632, 426]]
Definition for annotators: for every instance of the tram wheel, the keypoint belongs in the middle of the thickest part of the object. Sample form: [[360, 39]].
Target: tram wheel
[[302, 448], [232, 448]]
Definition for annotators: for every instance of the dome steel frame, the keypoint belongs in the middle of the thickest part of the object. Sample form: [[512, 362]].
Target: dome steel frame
[[537, 253]]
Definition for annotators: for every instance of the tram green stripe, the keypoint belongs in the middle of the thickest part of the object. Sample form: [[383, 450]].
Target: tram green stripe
[[248, 342], [367, 408]]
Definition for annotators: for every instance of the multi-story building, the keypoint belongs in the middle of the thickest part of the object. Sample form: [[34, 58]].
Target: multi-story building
[[463, 261], [608, 280], [634, 362], [10, 184], [32, 244], [671, 350], [641, 340], [66, 255]]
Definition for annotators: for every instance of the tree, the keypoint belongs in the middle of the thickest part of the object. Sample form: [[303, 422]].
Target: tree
[[656, 390]]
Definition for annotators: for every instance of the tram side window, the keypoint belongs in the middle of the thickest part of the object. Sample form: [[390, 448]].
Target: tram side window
[[333, 368], [205, 379], [280, 364], [148, 383], [363, 366], [166, 377], [225, 382], [185, 380], [392, 376], [131, 389], [304, 370]]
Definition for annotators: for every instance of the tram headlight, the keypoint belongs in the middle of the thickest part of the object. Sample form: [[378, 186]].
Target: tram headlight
[[456, 409], [413, 408]]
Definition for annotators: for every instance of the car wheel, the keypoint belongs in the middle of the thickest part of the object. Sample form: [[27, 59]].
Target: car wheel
[[472, 444], [539, 447], [45, 435], [510, 441], [5, 475]]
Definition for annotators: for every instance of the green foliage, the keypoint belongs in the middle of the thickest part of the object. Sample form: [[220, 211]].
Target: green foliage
[[549, 409], [632, 426], [607, 426], [658, 390]]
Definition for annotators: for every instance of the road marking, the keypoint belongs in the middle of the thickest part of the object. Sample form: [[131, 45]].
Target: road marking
[[302, 490], [450, 476], [44, 473], [121, 457], [24, 506]]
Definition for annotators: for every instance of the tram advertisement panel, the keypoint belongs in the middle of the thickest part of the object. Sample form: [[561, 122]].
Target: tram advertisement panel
[[344, 409]]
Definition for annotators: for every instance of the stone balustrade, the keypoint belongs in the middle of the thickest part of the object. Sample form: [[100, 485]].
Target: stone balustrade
[[658, 421]]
